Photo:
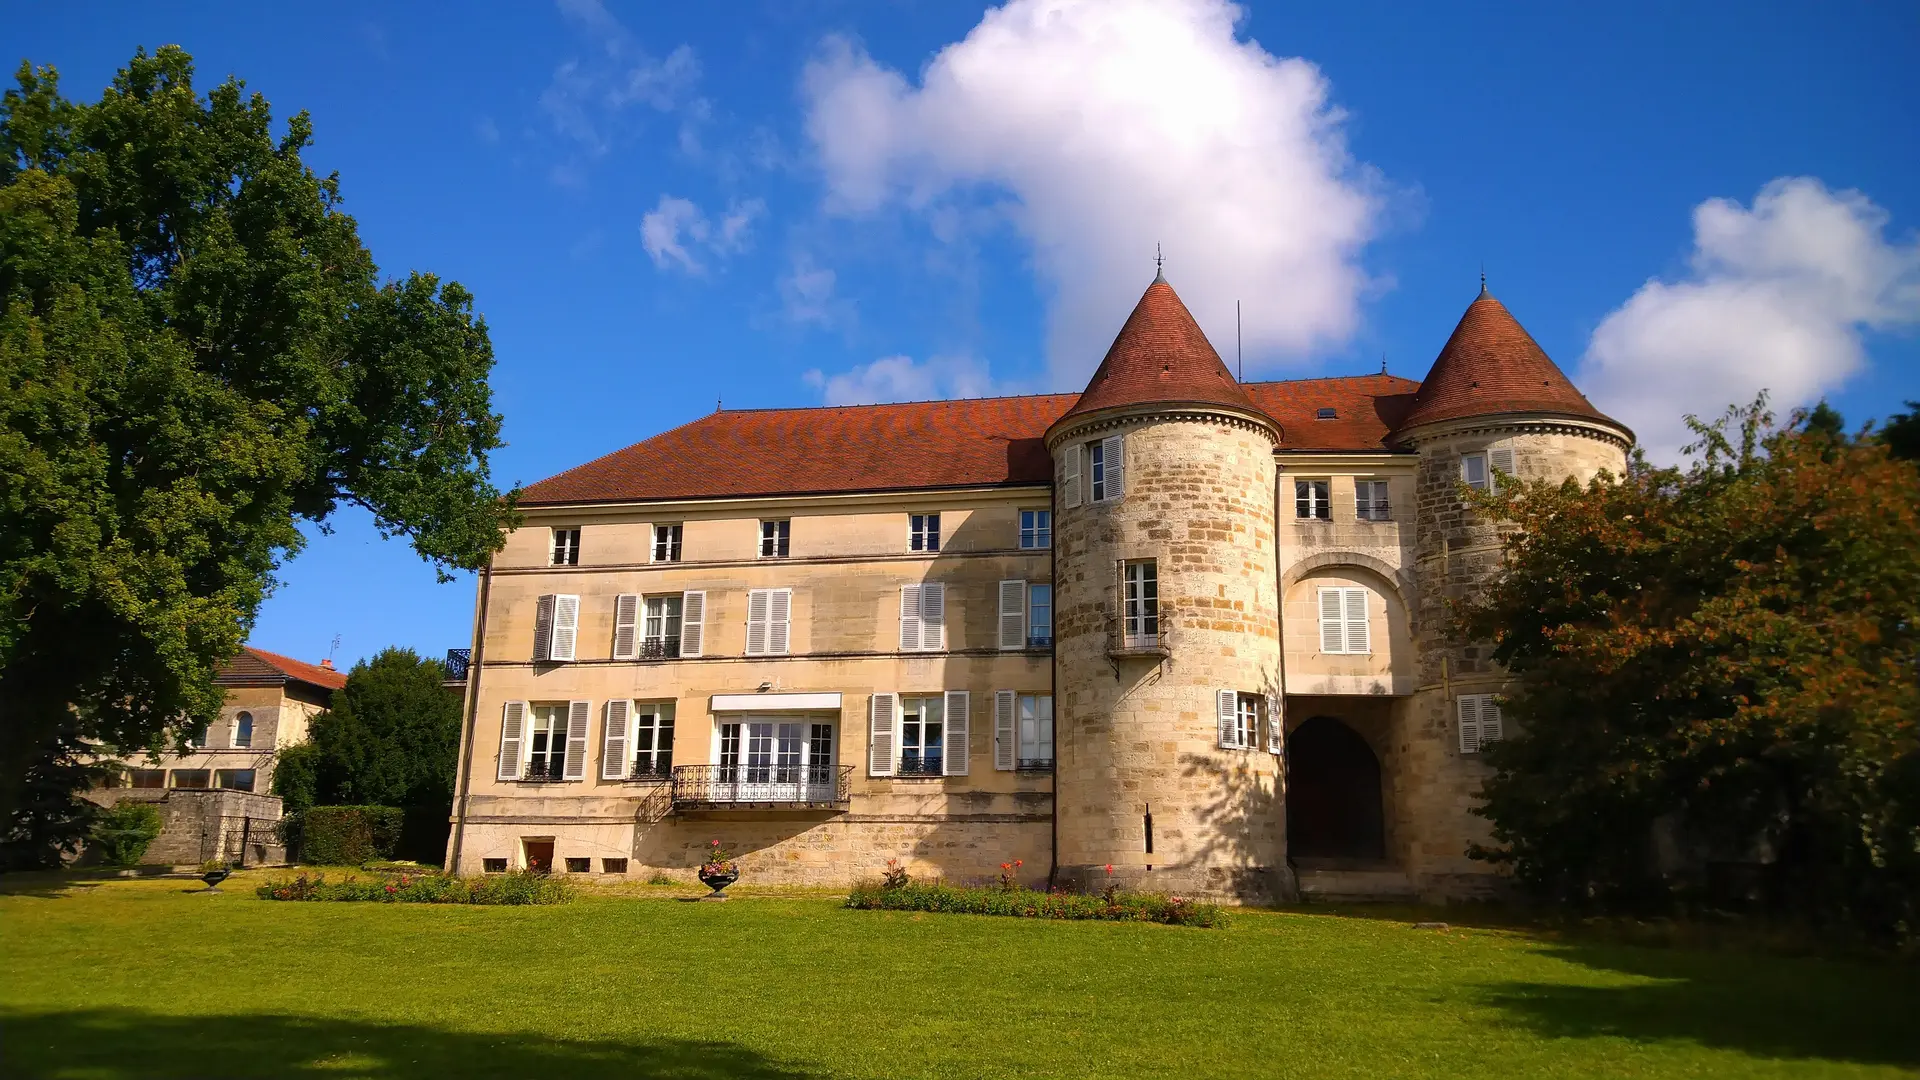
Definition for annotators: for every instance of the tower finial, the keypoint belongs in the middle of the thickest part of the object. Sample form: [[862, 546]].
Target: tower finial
[[1483, 279], [1159, 275]]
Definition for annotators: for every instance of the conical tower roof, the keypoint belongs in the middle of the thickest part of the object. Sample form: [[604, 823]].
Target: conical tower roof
[[1160, 356], [1491, 366]]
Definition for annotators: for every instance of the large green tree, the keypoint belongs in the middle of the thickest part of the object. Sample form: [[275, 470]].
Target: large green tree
[[1723, 663], [197, 354], [390, 739]]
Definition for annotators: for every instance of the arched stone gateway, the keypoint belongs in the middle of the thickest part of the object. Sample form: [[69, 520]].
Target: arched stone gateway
[[1334, 809]]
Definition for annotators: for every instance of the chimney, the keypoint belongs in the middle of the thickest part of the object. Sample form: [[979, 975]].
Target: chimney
[[327, 664]]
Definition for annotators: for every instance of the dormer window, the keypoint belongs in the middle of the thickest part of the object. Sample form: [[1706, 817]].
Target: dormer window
[[1326, 413]]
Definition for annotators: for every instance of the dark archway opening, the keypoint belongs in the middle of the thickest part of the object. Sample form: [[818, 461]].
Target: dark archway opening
[[1333, 794]]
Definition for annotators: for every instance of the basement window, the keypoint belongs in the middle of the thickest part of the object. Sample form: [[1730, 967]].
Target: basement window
[[613, 866], [579, 866], [493, 866]]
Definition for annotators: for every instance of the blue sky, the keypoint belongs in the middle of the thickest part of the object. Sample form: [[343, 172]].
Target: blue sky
[[659, 207]]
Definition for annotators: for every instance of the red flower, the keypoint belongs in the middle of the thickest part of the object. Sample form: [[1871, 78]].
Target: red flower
[[1109, 868], [1006, 866], [1018, 862]]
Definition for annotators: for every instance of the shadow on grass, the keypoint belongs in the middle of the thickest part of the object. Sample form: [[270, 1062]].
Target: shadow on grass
[[114, 1043], [1764, 1006]]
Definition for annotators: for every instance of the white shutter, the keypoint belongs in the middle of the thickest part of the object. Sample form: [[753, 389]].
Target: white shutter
[[1226, 703], [1358, 640], [779, 621], [1070, 481], [909, 618], [613, 750], [1013, 615], [1276, 725], [1332, 637], [757, 622], [513, 726], [543, 628], [1468, 709], [1006, 730], [579, 718], [933, 616], [1500, 459], [693, 611], [959, 732], [1113, 454], [626, 633], [1490, 727], [881, 710], [566, 626]]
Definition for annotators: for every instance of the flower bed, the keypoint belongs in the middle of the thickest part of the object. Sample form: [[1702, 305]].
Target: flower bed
[[518, 888], [1026, 903]]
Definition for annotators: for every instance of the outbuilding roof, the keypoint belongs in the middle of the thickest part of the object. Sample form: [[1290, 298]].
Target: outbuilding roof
[[258, 667]]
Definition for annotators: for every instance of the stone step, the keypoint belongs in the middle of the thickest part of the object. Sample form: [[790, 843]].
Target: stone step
[[1342, 886]]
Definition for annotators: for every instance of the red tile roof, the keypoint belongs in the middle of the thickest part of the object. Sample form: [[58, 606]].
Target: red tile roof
[[1491, 365], [972, 442], [258, 665], [1161, 355]]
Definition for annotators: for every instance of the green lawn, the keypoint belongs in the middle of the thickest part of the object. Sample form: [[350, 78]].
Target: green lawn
[[145, 979]]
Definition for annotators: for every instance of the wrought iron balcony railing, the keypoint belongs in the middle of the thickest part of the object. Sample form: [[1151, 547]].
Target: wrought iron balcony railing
[[918, 765], [660, 648], [1374, 511], [648, 768], [1149, 637], [791, 786], [1036, 764], [458, 661], [539, 772]]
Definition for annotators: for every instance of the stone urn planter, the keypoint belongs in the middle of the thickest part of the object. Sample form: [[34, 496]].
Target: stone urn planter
[[717, 877], [213, 878]]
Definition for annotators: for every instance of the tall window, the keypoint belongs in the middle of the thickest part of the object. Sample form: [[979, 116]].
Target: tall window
[[768, 614], [1240, 715], [1036, 529], [661, 637], [566, 547], [666, 543], [773, 538], [1097, 470], [1039, 616], [243, 731], [1343, 621], [548, 760], [1310, 500], [924, 532], [1036, 731], [653, 740], [1480, 721], [922, 736], [1142, 608], [1473, 471], [1370, 500]]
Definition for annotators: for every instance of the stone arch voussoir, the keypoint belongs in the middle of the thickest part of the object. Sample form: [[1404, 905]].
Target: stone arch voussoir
[[1400, 579]]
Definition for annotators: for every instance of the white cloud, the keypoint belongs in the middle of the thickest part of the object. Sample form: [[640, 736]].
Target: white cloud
[[675, 224], [1776, 298], [901, 378], [1113, 125], [807, 292], [588, 100]]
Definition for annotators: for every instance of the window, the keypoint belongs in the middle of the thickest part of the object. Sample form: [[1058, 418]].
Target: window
[[234, 779], [1479, 721], [243, 731], [1105, 469], [1142, 605], [493, 866], [1370, 500], [924, 532], [556, 627], [768, 611], [923, 617], [1036, 731], [666, 543], [1343, 621], [796, 755], [1026, 615], [1473, 471], [613, 866], [653, 741], [662, 629], [547, 755], [566, 547], [773, 539], [1310, 500], [1039, 616], [922, 732], [1240, 715], [1326, 412], [193, 779], [576, 865], [1036, 529], [147, 778]]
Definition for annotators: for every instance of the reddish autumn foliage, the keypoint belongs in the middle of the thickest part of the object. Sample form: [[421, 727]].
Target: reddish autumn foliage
[[1718, 689]]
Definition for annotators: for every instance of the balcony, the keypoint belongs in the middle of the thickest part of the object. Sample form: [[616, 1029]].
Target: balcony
[[660, 648], [784, 787], [539, 773], [458, 661], [1039, 764], [1150, 638], [650, 770], [912, 764]]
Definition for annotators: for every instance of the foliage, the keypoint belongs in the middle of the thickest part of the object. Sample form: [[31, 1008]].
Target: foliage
[[50, 820], [123, 832], [215, 866], [1026, 903], [521, 887], [1717, 667], [719, 859], [1901, 433], [390, 739], [345, 835], [895, 876], [196, 354], [1009, 880]]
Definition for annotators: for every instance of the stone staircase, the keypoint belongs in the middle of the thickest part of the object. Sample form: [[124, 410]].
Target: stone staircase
[[1343, 882]]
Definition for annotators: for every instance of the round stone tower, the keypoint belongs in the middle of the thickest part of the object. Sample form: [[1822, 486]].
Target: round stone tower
[[1492, 403], [1166, 636]]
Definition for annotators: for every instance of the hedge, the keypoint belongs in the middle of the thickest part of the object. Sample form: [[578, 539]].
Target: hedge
[[1026, 903], [124, 832], [510, 889], [351, 835]]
